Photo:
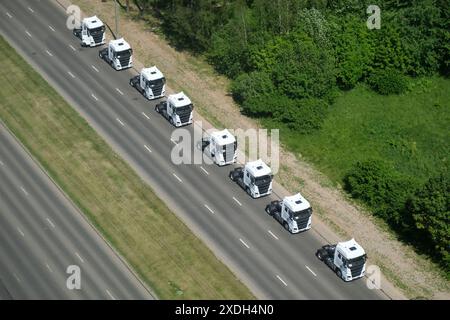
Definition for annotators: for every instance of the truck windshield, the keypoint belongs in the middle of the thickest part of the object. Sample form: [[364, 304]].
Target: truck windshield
[[263, 180], [184, 109], [98, 30], [302, 214], [156, 83], [124, 53], [357, 261]]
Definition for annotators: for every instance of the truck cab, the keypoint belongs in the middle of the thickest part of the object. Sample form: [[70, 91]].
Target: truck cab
[[150, 82], [221, 146], [255, 178], [293, 212], [118, 54], [347, 259], [91, 33], [178, 109]]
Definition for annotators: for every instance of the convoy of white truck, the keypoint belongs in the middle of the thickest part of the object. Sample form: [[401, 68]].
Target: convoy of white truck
[[294, 212]]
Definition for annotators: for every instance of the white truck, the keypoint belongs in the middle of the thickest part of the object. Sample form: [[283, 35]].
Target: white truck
[[150, 82], [91, 33], [293, 212], [255, 178], [221, 146], [118, 54], [177, 109], [347, 259]]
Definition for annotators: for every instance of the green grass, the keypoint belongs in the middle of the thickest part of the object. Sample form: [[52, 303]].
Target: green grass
[[159, 247], [411, 131]]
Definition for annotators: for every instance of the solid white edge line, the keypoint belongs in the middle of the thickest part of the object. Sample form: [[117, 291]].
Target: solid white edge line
[[148, 149], [315, 275], [279, 278], [209, 209], [237, 201], [272, 234], [243, 242]]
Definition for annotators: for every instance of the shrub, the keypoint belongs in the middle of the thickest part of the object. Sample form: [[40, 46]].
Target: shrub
[[388, 82]]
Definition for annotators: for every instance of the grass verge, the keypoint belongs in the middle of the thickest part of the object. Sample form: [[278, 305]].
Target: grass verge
[[176, 265]]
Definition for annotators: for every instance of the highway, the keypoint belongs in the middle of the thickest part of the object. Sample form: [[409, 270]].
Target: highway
[[273, 263], [42, 233]]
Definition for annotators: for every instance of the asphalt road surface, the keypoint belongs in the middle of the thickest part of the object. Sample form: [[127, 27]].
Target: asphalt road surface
[[42, 234], [273, 263]]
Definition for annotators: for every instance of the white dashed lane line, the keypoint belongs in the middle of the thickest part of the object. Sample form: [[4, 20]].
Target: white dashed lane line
[[110, 295], [21, 232], [29, 34], [145, 115], [120, 92], [16, 277], [93, 67], [24, 191], [50, 223], [31, 10], [120, 121], [282, 281], [71, 74], [148, 149], [204, 170], [93, 96], [49, 53], [177, 177], [243, 242], [315, 275], [174, 142], [48, 267], [79, 257], [51, 28], [209, 209], [9, 15], [72, 47], [237, 201], [272, 234]]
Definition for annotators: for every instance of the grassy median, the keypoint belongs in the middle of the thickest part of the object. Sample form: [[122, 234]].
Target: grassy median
[[176, 265]]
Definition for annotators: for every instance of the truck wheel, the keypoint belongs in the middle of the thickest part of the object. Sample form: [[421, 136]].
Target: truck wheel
[[145, 95], [286, 226], [339, 273], [171, 121], [157, 108], [268, 211], [231, 176], [131, 83], [247, 189]]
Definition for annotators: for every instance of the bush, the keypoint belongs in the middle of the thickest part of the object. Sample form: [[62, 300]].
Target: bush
[[381, 188], [430, 210], [388, 82]]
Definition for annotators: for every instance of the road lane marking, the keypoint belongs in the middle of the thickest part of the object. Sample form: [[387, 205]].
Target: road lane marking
[[50, 222], [121, 123], [93, 96], [279, 278], [31, 10], [24, 191], [93, 67], [29, 34], [72, 47], [118, 90], [315, 275], [109, 294], [243, 242], [237, 201], [48, 267], [79, 257], [9, 16], [51, 28], [174, 142], [177, 177], [209, 209], [21, 232], [49, 53], [71, 74], [1, 163], [204, 170], [148, 149], [145, 115], [271, 233], [17, 278]]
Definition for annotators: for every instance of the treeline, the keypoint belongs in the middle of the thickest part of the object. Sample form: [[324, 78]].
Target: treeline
[[288, 58]]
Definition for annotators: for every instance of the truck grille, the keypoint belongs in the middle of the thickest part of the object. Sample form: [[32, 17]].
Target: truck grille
[[302, 222], [356, 270], [157, 89], [124, 60], [228, 153], [97, 37], [264, 187], [184, 117]]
